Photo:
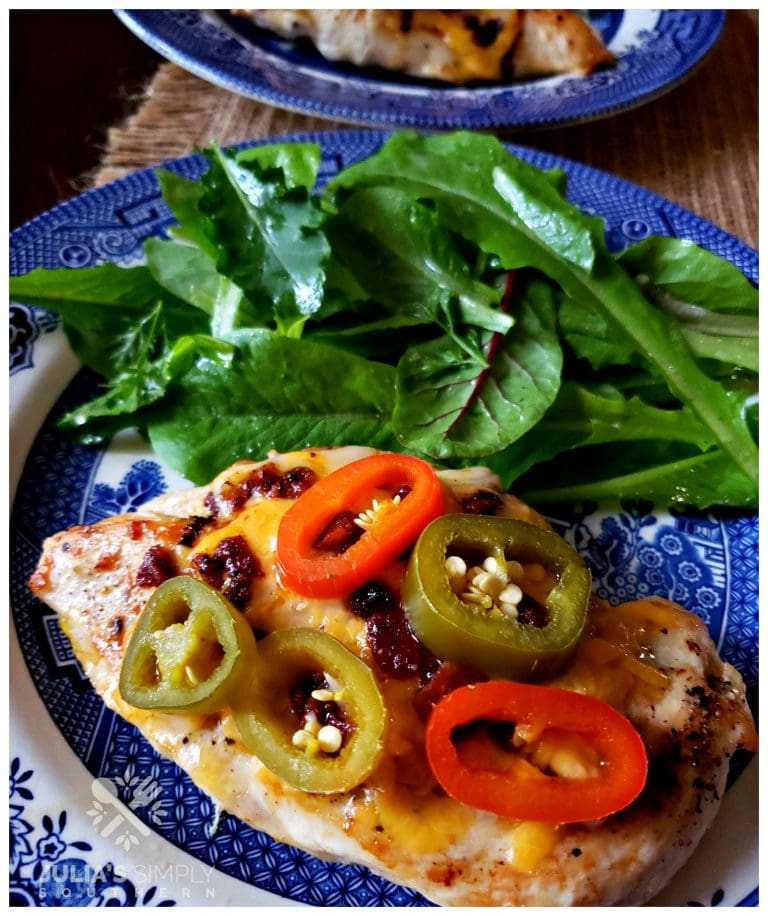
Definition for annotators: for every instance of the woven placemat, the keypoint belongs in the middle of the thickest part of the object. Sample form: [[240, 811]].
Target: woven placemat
[[697, 145]]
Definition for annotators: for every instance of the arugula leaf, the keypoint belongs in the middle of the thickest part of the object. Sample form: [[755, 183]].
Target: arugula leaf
[[449, 406], [582, 416], [398, 253], [102, 306], [268, 239], [508, 208], [144, 381], [603, 344], [276, 393], [690, 274], [699, 481]]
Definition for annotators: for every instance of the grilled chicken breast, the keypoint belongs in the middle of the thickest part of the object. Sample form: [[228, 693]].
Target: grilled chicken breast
[[651, 660], [457, 46]]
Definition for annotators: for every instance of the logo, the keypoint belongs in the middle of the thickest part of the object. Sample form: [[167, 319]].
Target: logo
[[116, 819]]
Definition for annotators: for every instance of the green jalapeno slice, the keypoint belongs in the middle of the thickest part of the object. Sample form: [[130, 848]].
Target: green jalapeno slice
[[190, 650], [474, 628], [279, 734]]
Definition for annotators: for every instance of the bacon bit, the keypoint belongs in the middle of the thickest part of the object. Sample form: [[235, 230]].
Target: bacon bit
[[267, 481], [157, 566], [394, 645], [374, 597], [230, 569], [324, 712], [340, 533], [484, 502], [532, 613], [296, 481]]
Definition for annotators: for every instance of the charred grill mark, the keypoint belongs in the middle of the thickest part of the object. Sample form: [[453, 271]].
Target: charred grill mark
[[406, 21], [507, 63], [193, 528], [484, 33]]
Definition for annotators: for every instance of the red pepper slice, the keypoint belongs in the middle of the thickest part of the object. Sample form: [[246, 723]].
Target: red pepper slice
[[518, 789], [317, 573]]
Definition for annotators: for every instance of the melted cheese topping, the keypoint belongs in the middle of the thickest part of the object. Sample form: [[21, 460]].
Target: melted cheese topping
[[650, 659], [401, 802]]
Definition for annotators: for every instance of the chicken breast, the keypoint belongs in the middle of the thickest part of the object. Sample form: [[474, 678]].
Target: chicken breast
[[651, 660], [457, 46]]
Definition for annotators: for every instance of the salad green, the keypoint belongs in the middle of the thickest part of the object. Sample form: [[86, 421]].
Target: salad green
[[440, 297]]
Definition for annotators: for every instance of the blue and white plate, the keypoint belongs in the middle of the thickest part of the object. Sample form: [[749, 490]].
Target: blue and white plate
[[97, 816], [654, 50]]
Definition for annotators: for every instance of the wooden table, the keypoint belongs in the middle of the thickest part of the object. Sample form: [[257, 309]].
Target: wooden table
[[697, 145]]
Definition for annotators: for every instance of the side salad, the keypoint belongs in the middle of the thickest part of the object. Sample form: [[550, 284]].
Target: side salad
[[441, 298]]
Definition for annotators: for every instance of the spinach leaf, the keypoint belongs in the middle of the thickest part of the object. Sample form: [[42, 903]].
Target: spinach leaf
[[268, 239], [102, 306], [594, 337], [449, 406], [381, 340], [275, 393]]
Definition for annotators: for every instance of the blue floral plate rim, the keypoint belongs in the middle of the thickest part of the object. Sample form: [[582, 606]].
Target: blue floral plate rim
[[87, 219], [655, 50]]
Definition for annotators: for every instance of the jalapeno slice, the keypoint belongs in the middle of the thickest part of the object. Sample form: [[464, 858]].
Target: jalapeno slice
[[189, 650], [275, 732], [485, 637]]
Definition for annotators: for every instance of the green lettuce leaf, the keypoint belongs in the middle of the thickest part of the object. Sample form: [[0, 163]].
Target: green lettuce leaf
[[582, 416], [510, 209], [275, 393], [691, 274], [398, 253]]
